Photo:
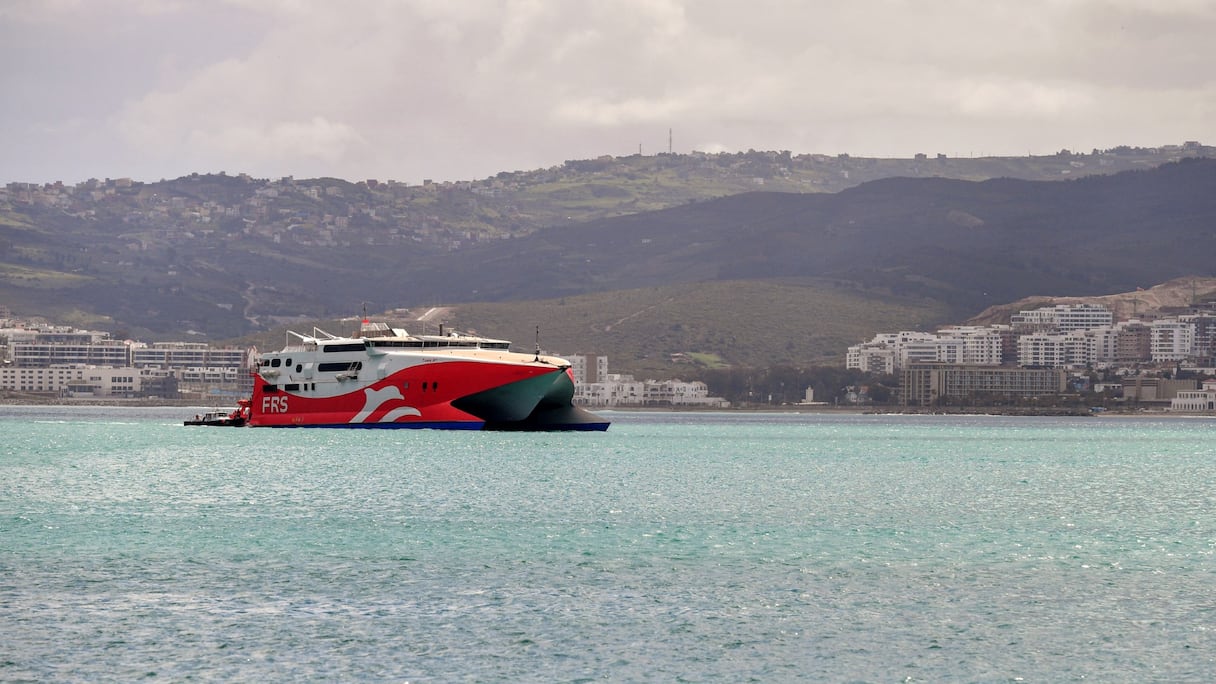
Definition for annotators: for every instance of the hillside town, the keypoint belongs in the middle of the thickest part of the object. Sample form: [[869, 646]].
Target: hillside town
[[1049, 352], [42, 361], [595, 386], [1043, 354], [1164, 362]]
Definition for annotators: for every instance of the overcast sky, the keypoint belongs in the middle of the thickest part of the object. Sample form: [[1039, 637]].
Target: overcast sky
[[463, 89]]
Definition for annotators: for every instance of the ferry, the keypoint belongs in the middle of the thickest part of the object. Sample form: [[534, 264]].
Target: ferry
[[387, 378]]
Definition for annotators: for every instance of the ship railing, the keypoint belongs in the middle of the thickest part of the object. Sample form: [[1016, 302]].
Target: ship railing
[[296, 341]]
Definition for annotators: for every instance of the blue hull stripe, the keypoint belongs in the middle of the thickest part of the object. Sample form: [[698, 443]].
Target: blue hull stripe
[[417, 425]]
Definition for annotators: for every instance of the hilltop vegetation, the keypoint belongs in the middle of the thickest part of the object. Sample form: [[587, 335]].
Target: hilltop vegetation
[[639, 257], [667, 331], [967, 245], [657, 330]]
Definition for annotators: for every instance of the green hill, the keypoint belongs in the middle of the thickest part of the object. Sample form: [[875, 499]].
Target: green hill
[[965, 244], [769, 276], [663, 331], [656, 329]]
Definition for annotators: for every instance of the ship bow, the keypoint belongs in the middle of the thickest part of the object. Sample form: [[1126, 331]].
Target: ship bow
[[543, 402]]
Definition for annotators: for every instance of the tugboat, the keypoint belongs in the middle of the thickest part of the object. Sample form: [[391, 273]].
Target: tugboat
[[387, 378], [236, 417]]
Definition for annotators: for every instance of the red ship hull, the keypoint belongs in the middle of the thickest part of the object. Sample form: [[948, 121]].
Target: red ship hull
[[441, 394]]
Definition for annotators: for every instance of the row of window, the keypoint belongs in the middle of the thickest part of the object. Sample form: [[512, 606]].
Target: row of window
[[312, 386], [435, 344], [336, 367], [349, 347]]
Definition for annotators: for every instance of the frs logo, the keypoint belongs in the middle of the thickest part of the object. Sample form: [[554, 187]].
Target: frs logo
[[274, 404]]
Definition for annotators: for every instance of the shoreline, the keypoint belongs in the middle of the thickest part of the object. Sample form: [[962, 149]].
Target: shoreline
[[7, 399]]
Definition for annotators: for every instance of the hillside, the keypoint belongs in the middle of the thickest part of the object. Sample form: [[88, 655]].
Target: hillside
[[193, 264], [1174, 297], [663, 331], [968, 245]]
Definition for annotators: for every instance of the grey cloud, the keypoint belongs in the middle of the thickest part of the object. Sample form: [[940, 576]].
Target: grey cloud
[[428, 89]]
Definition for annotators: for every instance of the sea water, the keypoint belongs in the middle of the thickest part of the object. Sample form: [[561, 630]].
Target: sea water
[[674, 547]]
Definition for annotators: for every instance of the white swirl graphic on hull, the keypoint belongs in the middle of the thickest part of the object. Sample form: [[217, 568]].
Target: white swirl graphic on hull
[[374, 399], [392, 416]]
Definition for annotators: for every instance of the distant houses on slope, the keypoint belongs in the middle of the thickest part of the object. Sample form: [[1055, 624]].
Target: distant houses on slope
[[1044, 352], [595, 386], [39, 359]]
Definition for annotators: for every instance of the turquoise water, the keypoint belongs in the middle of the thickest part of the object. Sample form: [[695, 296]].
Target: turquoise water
[[674, 547]]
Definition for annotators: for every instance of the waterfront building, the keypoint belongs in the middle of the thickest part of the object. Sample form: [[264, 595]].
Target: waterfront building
[[81, 380], [1152, 389], [43, 358], [927, 384], [614, 389], [53, 379], [679, 393], [1201, 400]]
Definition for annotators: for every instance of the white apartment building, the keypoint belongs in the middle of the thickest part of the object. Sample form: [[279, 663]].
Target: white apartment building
[[54, 379], [75, 380], [926, 350], [1076, 349], [623, 390], [871, 359], [679, 393], [210, 375], [116, 366], [1063, 318], [588, 368], [186, 355], [109, 382], [980, 346], [1171, 339], [892, 352], [614, 390], [1042, 350], [1103, 345], [41, 349], [1062, 336]]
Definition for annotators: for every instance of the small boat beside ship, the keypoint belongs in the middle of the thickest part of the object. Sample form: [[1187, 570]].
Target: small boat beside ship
[[387, 378], [236, 417]]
